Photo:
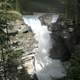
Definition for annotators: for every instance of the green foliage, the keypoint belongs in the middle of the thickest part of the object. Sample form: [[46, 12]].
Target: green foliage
[[15, 54], [22, 75], [9, 58], [74, 70], [9, 61], [9, 9]]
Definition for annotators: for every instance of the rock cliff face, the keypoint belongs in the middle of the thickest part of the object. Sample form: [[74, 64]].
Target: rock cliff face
[[60, 36], [25, 38]]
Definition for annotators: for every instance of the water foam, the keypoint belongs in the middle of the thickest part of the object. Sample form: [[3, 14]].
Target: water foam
[[45, 67]]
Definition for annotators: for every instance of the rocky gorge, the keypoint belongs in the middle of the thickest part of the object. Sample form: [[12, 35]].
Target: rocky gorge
[[25, 39]]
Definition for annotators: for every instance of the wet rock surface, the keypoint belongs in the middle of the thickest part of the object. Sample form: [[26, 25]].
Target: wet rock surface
[[24, 39], [61, 36], [45, 67]]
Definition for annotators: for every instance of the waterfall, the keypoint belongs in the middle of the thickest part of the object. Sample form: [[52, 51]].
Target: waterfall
[[45, 67]]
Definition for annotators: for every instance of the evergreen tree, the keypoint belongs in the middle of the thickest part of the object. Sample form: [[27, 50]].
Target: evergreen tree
[[9, 58]]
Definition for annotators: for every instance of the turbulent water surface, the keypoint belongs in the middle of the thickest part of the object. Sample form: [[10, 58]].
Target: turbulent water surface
[[45, 67]]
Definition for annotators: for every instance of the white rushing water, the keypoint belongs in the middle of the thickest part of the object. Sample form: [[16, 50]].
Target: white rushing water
[[45, 67]]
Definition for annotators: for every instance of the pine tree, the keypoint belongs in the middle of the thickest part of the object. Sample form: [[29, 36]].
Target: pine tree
[[9, 58]]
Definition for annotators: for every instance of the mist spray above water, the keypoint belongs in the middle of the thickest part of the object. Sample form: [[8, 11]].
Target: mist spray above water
[[45, 67]]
